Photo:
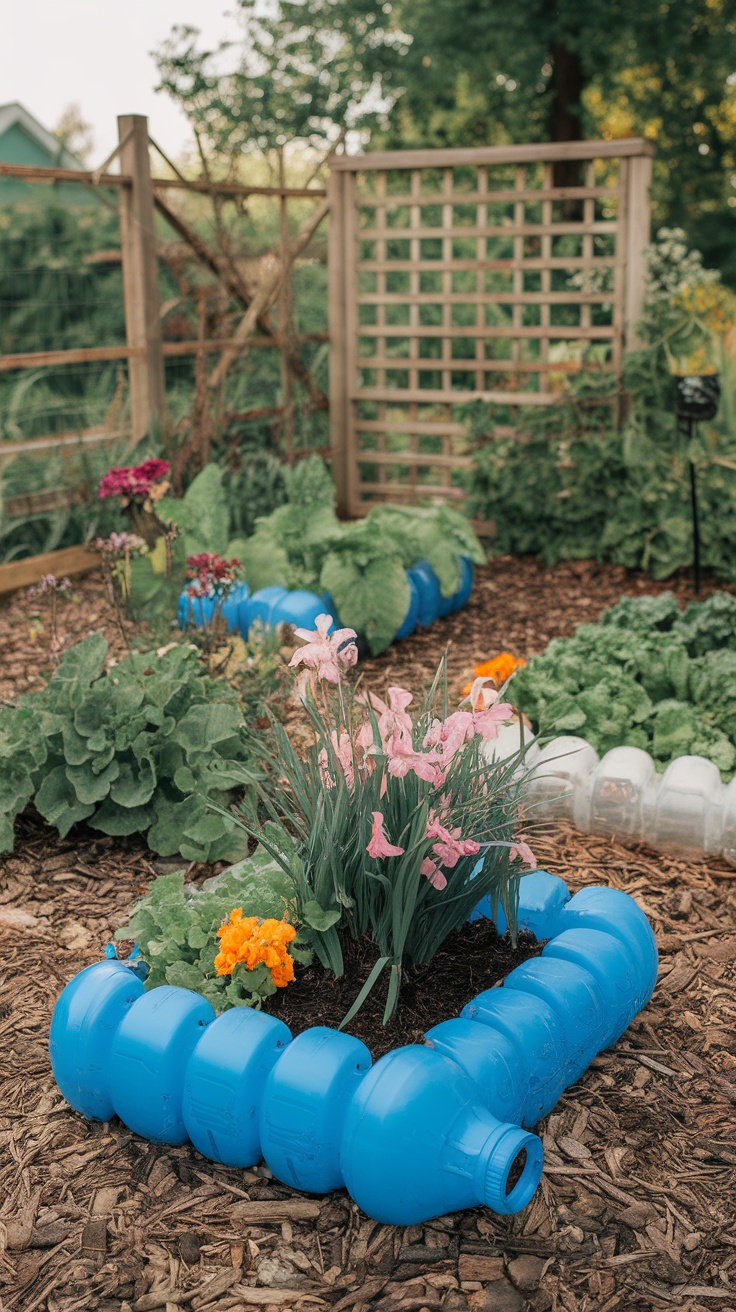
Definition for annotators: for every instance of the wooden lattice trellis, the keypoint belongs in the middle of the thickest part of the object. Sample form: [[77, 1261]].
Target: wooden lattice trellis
[[464, 274]]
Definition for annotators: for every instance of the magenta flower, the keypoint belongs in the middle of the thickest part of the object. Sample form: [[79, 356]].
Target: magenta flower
[[379, 845], [211, 575], [133, 480]]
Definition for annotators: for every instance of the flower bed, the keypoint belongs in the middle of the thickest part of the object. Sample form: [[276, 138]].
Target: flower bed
[[430, 1128], [394, 828]]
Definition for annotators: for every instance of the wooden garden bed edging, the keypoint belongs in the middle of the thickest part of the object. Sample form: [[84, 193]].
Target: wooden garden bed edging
[[71, 562]]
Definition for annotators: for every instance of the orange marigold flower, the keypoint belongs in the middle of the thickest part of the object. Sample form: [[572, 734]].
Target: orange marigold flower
[[283, 975], [499, 668], [249, 941]]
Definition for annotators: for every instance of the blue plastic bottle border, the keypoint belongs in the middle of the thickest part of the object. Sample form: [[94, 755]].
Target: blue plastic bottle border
[[429, 1128]]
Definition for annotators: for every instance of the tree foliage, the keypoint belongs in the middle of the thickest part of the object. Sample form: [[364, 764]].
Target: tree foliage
[[482, 72]]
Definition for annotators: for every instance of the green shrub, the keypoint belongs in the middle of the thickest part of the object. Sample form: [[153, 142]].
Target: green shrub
[[141, 747], [606, 477]]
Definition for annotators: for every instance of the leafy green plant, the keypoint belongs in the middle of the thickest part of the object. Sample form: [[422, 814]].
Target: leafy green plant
[[362, 565], [140, 747], [289, 545], [255, 488], [646, 675], [573, 483], [175, 927]]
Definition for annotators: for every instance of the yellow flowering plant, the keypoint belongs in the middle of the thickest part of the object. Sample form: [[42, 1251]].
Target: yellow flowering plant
[[499, 668], [704, 314], [687, 309], [196, 937]]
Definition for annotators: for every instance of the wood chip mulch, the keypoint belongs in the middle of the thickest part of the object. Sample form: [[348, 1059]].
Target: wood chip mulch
[[636, 1207]]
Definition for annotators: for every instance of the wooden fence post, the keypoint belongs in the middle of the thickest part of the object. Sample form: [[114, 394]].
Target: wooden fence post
[[336, 274], [140, 278], [637, 238]]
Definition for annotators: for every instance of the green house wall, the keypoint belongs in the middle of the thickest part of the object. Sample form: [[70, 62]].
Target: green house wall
[[17, 147]]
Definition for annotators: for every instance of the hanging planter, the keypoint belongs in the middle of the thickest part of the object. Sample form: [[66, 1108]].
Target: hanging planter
[[430, 1128]]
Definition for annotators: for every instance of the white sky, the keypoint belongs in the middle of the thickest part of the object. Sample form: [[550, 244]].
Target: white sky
[[97, 53]]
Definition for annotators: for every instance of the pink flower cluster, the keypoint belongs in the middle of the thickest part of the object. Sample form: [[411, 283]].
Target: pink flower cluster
[[133, 481], [49, 583], [211, 575], [444, 739], [325, 652], [119, 544], [447, 849]]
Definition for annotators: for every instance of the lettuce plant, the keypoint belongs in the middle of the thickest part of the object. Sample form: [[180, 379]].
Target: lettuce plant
[[646, 675]]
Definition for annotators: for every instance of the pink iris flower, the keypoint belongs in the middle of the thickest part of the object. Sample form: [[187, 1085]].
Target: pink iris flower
[[522, 849], [379, 845], [433, 874], [325, 652], [402, 758]]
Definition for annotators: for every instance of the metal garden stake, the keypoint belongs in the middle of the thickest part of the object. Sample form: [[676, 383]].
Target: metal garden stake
[[697, 399]]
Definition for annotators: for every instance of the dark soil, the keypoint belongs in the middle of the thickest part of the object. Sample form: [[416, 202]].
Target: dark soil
[[470, 960]]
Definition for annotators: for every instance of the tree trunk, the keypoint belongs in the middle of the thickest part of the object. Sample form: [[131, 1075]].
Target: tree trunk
[[567, 85]]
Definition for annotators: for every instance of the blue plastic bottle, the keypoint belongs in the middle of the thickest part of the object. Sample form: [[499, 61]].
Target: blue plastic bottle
[[541, 1029], [298, 608], [541, 899], [261, 605], [199, 610], [430, 598], [149, 1056], [304, 1105], [419, 1143], [85, 1021], [467, 578], [224, 1084], [412, 615]]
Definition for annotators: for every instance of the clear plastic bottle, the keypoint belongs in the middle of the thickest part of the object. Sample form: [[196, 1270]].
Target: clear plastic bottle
[[559, 773], [688, 809], [622, 794]]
